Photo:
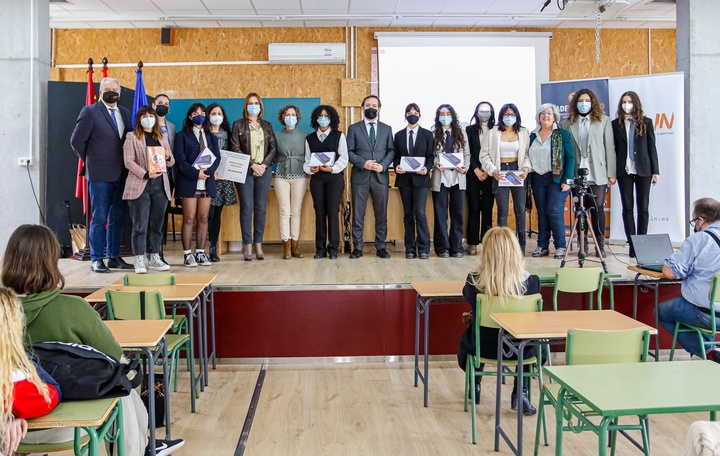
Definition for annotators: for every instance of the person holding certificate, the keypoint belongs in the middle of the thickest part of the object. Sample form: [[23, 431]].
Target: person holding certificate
[[147, 157], [225, 191], [197, 155], [254, 136], [326, 157], [479, 193], [451, 159], [504, 156], [413, 155]]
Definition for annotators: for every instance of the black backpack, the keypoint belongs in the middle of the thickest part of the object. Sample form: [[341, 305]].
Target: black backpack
[[84, 373]]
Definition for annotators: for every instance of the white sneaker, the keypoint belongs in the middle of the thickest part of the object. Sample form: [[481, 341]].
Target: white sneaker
[[156, 264], [190, 260], [140, 265], [202, 259]]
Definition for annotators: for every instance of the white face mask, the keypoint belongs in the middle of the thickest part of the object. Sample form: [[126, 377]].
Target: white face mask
[[147, 122], [627, 107], [216, 120]]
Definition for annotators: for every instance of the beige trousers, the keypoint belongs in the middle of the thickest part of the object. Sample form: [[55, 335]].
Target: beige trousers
[[290, 194]]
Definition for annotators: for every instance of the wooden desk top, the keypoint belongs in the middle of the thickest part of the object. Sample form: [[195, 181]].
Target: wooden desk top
[[643, 388], [138, 333], [185, 279], [646, 272], [439, 288], [75, 414], [186, 292], [540, 325]]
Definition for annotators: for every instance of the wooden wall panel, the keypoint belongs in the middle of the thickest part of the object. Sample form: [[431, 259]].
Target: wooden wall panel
[[664, 49]]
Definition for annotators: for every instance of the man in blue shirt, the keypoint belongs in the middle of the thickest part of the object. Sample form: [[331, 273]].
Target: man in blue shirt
[[695, 263]]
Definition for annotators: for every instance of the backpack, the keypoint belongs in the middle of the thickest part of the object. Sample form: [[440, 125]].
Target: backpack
[[84, 373]]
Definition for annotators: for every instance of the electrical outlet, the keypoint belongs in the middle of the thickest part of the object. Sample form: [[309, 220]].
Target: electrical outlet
[[25, 161]]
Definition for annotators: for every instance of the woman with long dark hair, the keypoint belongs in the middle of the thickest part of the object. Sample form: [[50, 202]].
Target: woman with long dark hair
[[479, 192]]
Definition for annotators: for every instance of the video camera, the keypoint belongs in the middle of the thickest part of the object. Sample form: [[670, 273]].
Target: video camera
[[580, 183]]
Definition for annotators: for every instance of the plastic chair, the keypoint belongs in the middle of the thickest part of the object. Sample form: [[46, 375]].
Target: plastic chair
[[486, 306], [148, 305], [180, 322], [711, 332], [580, 280], [596, 347]]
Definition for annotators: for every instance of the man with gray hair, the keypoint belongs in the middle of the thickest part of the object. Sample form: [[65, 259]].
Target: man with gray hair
[[98, 139]]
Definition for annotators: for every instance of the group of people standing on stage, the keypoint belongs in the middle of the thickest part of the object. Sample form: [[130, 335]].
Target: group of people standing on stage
[[114, 153]]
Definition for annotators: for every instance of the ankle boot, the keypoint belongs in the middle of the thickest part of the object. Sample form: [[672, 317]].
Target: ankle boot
[[528, 408], [295, 249], [259, 252], [214, 258], [247, 252], [286, 250]]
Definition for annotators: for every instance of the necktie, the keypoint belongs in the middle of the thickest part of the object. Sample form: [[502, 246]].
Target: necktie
[[201, 140], [323, 136], [448, 142], [372, 135], [114, 120], [584, 134], [631, 141], [411, 145]]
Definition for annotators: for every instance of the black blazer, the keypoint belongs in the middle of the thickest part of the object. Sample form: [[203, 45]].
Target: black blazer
[[96, 141], [423, 148], [646, 159], [186, 150], [473, 134]]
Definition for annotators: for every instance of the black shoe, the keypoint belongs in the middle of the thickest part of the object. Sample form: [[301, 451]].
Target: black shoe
[[458, 255], [528, 408], [357, 253], [165, 447], [98, 266], [477, 393], [214, 258], [319, 255], [333, 255], [602, 252], [410, 255], [382, 253], [118, 263], [423, 256], [444, 254]]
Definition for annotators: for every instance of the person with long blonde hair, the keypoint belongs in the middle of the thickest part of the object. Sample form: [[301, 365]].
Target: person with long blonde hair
[[500, 272]]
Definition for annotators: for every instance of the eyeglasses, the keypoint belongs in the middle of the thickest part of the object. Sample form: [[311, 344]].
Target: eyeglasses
[[693, 222], [552, 114]]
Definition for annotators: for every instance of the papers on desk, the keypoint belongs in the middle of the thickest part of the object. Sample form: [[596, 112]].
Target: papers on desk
[[511, 179], [412, 164], [233, 166], [322, 158], [451, 160]]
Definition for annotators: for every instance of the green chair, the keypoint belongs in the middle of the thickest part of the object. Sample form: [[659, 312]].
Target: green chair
[[180, 322], [710, 332], [595, 347], [486, 306], [580, 280], [148, 305]]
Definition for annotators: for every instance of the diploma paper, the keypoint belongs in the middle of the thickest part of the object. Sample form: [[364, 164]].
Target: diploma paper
[[233, 166]]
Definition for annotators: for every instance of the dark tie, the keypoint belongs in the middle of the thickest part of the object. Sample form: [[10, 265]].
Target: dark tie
[[201, 141], [411, 146], [448, 142], [631, 142], [372, 135], [114, 120]]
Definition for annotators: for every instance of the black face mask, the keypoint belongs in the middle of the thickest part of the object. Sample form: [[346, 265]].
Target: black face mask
[[412, 119], [370, 113], [110, 97], [162, 110]]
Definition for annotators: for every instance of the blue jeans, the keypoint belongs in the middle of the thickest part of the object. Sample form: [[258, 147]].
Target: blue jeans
[[253, 204], [550, 205], [107, 206], [680, 309]]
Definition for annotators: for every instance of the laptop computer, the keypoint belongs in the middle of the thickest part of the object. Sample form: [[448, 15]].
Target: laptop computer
[[651, 250]]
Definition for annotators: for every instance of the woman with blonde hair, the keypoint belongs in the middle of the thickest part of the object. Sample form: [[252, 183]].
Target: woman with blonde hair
[[500, 272]]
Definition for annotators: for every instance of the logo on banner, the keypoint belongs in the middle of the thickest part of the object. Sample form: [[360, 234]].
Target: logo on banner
[[664, 124]]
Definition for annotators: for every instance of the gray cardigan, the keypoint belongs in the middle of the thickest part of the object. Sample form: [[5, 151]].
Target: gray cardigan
[[290, 151]]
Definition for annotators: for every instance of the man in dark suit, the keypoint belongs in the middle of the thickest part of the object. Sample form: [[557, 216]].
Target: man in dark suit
[[371, 151], [98, 140]]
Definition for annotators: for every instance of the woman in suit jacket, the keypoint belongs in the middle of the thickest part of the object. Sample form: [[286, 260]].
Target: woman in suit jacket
[[195, 186], [414, 141], [448, 183], [637, 162], [553, 161], [506, 149], [595, 151], [254, 136], [479, 184], [147, 192]]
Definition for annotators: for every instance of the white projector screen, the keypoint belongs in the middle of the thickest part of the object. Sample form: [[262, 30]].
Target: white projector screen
[[461, 69]]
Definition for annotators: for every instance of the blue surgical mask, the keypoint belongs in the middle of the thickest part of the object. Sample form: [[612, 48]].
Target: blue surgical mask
[[445, 120], [198, 119], [253, 109], [323, 121], [584, 106], [290, 121], [509, 120]]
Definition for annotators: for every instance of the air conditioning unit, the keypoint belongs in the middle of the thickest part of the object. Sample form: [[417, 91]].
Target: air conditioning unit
[[306, 53]]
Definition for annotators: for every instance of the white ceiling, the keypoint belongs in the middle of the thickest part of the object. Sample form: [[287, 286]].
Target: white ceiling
[[66, 14]]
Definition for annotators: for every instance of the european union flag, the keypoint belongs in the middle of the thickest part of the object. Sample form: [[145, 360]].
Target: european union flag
[[140, 96]]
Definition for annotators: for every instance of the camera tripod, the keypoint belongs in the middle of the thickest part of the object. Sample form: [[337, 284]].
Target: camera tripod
[[579, 226]]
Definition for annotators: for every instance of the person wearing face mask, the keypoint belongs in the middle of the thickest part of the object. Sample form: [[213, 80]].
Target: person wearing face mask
[[146, 191], [595, 151], [161, 105], [371, 151], [479, 192], [414, 141], [195, 186], [506, 149], [637, 162], [327, 182], [219, 126], [290, 179], [448, 183], [254, 136], [695, 262], [98, 137]]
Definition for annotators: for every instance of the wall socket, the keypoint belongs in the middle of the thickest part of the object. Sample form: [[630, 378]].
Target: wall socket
[[25, 161]]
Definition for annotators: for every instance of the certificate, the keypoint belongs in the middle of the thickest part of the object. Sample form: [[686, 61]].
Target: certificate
[[322, 158], [451, 159], [233, 166], [205, 159], [156, 159], [511, 179], [412, 164]]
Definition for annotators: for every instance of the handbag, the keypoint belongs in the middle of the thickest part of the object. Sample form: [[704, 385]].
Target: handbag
[[78, 236], [159, 392]]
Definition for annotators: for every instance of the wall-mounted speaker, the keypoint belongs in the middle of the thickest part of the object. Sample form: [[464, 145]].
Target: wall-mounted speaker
[[166, 36]]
